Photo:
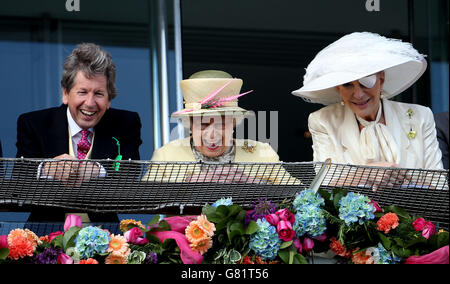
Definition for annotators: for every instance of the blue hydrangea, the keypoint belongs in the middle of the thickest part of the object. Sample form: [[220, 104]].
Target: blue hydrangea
[[90, 241], [307, 197], [265, 241], [354, 208], [309, 221], [223, 201], [386, 257]]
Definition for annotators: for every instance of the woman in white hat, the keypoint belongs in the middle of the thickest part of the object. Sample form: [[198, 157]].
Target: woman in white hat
[[212, 111], [355, 77]]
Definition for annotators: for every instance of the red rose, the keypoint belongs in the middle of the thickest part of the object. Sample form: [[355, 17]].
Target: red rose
[[284, 230], [286, 215], [273, 219]]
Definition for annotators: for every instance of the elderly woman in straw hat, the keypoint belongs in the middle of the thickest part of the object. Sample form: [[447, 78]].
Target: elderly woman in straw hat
[[211, 112], [356, 76]]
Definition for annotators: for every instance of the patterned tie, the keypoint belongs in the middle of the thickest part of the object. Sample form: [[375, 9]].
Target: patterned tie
[[83, 145]]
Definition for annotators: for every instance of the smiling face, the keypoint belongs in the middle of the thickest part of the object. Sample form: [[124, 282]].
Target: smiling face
[[212, 135], [87, 100], [363, 101]]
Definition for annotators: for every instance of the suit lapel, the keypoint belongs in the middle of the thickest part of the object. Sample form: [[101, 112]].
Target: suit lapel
[[349, 136], [104, 146], [58, 134]]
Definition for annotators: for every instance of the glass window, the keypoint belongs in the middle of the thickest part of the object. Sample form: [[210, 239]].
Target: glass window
[[36, 36], [269, 44]]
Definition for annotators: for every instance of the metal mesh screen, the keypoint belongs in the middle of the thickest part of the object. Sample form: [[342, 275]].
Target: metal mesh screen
[[163, 187]]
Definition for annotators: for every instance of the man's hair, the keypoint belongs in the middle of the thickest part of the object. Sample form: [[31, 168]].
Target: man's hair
[[92, 60]]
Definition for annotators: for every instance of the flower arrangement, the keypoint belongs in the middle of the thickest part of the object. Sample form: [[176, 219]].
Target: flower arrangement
[[349, 227]]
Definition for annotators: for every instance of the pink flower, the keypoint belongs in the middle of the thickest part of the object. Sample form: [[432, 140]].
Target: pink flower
[[3, 241], [64, 259], [273, 219], [53, 235], [429, 230], [321, 238], [134, 236], [72, 220], [285, 215], [284, 230], [308, 244], [377, 207], [298, 245], [419, 224], [439, 256]]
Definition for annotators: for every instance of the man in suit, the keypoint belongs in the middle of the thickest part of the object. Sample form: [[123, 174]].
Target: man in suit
[[442, 135], [84, 127]]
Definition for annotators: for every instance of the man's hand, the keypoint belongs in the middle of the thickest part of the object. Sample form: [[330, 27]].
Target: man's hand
[[71, 171]]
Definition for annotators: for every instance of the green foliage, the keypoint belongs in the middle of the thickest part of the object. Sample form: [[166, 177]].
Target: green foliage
[[4, 253], [231, 236]]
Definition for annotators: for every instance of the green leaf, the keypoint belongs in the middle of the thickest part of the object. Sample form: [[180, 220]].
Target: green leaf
[[401, 213], [58, 241], [234, 256], [292, 253], [154, 220], [385, 241], [338, 193], [286, 244], [234, 209], [234, 228], [240, 217], [152, 238], [69, 237], [284, 255], [222, 211], [325, 194], [162, 226], [4, 252], [208, 209], [251, 228], [300, 259], [402, 252]]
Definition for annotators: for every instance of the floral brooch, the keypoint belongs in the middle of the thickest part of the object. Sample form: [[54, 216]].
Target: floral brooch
[[248, 148], [411, 132]]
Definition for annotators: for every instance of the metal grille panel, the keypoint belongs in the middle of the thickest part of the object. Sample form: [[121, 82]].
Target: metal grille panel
[[160, 187]]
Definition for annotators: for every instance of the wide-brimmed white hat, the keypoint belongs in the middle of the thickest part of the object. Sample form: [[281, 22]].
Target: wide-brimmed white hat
[[211, 92], [356, 56]]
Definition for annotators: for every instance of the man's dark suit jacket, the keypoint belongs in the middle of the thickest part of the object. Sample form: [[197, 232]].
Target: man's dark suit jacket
[[442, 123], [45, 134]]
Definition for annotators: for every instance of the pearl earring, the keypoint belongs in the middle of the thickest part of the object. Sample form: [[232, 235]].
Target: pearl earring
[[342, 103]]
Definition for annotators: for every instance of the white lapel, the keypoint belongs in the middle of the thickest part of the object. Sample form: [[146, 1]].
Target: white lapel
[[398, 127], [349, 136]]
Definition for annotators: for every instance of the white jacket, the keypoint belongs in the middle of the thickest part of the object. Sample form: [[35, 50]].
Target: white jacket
[[335, 135]]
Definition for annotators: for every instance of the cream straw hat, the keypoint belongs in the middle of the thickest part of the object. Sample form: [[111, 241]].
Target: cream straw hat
[[356, 56], [211, 92]]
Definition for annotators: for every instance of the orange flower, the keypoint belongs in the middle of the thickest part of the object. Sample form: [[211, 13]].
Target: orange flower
[[338, 248], [19, 244], [116, 258], [361, 257], [45, 239], [194, 232], [205, 225], [124, 224], [387, 222], [88, 261], [202, 245], [33, 238], [258, 260], [118, 244]]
